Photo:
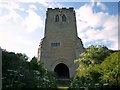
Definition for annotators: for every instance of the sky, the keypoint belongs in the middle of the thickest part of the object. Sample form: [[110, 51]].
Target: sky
[[22, 23]]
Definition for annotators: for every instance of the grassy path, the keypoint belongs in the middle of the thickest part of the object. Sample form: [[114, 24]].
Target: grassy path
[[63, 85], [63, 88]]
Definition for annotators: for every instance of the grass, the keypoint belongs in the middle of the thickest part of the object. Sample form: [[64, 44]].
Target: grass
[[63, 85]]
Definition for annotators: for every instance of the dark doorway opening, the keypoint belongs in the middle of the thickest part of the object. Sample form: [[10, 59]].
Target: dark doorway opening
[[62, 71]]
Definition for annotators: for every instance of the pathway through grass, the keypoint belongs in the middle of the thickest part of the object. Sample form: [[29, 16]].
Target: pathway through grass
[[63, 84]]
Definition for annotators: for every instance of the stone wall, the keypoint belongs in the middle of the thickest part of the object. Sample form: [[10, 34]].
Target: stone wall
[[60, 43]]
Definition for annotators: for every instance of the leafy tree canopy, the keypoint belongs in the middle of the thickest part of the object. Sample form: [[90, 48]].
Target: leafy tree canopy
[[98, 65], [110, 69], [18, 73]]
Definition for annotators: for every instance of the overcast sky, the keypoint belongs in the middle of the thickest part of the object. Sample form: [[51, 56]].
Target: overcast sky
[[22, 23]]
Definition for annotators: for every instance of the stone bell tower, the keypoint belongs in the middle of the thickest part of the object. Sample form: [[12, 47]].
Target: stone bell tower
[[61, 44]]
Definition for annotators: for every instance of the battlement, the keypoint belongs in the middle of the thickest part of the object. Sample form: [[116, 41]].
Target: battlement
[[64, 8]]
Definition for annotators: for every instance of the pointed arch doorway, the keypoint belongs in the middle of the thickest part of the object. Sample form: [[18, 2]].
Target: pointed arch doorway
[[62, 71]]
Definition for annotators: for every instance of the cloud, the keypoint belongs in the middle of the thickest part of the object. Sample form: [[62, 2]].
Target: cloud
[[53, 5], [13, 39], [19, 24], [102, 6], [15, 28], [32, 21], [94, 26], [42, 2], [45, 3], [93, 2], [32, 6]]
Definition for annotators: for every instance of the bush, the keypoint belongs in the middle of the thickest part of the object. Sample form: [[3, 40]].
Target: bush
[[18, 73]]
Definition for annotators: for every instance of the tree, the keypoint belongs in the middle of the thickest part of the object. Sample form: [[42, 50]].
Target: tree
[[110, 69], [93, 55], [98, 66], [33, 63], [18, 73], [89, 61]]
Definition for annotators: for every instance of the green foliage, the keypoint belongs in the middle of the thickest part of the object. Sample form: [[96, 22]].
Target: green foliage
[[94, 55], [110, 69], [77, 82], [18, 73], [98, 65]]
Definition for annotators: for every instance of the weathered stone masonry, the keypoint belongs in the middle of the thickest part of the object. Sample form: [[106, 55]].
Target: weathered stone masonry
[[61, 44]]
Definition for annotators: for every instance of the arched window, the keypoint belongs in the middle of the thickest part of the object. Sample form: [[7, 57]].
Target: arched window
[[57, 18], [64, 18]]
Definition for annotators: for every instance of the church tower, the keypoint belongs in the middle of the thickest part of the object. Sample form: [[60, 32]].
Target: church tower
[[61, 44]]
